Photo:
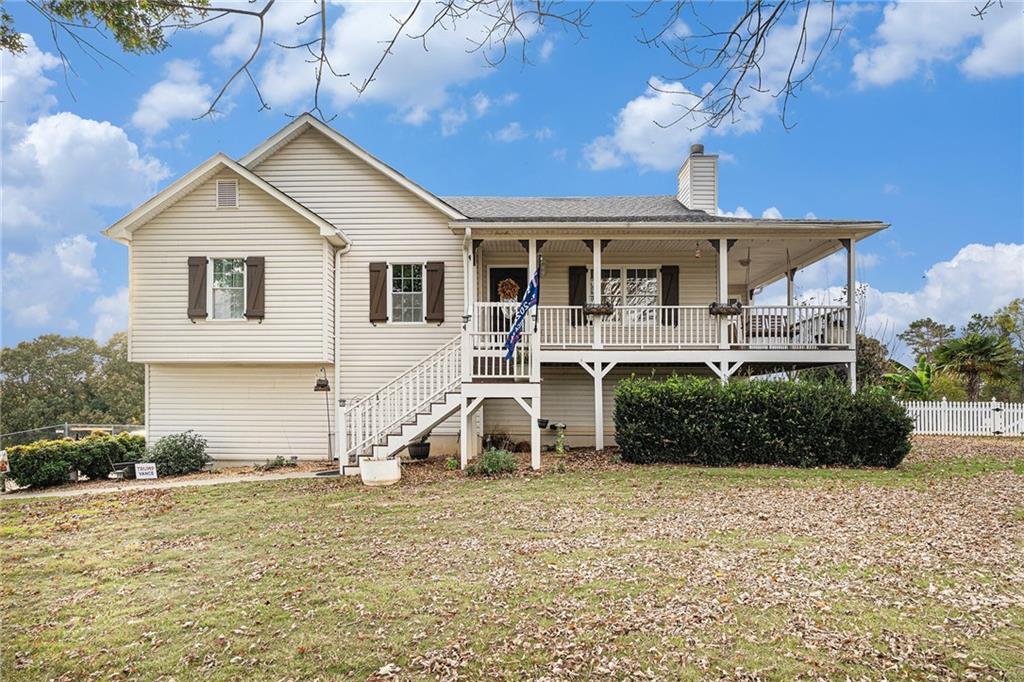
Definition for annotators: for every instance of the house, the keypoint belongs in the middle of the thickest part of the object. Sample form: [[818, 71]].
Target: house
[[309, 258]]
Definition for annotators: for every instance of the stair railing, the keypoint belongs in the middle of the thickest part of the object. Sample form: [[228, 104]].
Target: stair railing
[[369, 419]]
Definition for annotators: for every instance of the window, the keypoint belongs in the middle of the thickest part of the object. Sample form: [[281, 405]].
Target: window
[[626, 286], [227, 287], [407, 292]]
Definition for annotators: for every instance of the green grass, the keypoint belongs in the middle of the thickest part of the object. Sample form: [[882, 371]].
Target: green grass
[[682, 571]]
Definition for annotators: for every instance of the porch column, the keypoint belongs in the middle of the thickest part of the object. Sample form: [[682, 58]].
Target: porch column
[[534, 336], [468, 307], [790, 296], [535, 430], [723, 290], [595, 280], [851, 291], [598, 406]]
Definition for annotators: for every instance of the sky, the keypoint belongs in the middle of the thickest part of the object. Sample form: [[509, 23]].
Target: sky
[[913, 118]]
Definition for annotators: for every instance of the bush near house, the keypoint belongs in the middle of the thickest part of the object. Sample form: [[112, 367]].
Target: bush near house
[[178, 453], [50, 462], [493, 462], [699, 421]]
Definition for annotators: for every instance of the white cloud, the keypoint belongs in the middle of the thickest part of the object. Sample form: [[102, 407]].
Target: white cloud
[[111, 314], [771, 213], [513, 132], [544, 133], [890, 188], [481, 103], [655, 130], [39, 288], [546, 49], [740, 212], [182, 94], [979, 278], [412, 79], [452, 120], [24, 88], [64, 167], [913, 36]]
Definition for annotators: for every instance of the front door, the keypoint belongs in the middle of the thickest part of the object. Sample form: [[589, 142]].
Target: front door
[[501, 320]]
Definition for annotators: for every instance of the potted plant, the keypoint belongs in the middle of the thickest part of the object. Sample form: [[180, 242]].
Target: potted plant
[[732, 308], [601, 309], [419, 449]]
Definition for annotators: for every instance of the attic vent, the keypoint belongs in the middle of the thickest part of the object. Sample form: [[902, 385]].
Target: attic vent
[[227, 194]]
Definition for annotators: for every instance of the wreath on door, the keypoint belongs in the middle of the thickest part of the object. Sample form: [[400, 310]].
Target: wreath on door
[[508, 293]]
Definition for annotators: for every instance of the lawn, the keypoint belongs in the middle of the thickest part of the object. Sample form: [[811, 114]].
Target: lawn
[[590, 569]]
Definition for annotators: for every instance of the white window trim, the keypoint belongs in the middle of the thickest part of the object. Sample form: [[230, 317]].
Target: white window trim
[[622, 276], [209, 290], [423, 293], [216, 195]]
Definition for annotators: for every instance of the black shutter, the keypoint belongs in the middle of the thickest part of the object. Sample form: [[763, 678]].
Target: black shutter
[[670, 294], [577, 293], [378, 292], [197, 287], [435, 292], [255, 276]]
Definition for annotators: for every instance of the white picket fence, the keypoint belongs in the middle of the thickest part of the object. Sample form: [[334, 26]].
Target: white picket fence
[[966, 418]]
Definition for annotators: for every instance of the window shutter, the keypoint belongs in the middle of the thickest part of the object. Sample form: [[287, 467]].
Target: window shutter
[[378, 292], [577, 293], [197, 287], [435, 292], [670, 294], [255, 279]]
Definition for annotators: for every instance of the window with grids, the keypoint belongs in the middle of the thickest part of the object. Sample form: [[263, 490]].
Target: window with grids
[[228, 288], [407, 292], [631, 287]]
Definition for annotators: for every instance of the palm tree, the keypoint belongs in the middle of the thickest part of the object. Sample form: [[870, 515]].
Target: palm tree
[[915, 383], [974, 355]]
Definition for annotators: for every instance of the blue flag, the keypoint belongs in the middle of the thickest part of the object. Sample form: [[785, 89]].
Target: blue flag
[[530, 299]]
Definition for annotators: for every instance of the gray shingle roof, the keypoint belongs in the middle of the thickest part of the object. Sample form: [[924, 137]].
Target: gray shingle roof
[[664, 207]]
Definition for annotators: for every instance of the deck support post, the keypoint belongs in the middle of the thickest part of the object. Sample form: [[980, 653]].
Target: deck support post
[[467, 430], [535, 431], [599, 371], [853, 377]]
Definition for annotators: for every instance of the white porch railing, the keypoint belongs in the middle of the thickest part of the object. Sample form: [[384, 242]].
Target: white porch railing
[[966, 418], [798, 326], [371, 418]]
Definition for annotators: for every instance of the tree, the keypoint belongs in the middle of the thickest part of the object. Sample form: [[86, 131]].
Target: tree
[[974, 356], [736, 55], [54, 379], [925, 335], [1009, 320], [980, 324], [873, 364], [916, 383]]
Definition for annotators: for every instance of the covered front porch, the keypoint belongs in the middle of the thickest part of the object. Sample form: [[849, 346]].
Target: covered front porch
[[656, 300]]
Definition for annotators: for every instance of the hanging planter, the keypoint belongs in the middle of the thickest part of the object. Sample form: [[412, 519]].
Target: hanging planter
[[726, 308], [598, 309]]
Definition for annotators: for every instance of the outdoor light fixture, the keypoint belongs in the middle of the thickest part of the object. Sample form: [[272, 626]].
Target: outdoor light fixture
[[324, 386]]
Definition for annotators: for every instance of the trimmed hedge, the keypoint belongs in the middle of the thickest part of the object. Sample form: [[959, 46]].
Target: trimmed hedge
[[50, 462], [700, 421]]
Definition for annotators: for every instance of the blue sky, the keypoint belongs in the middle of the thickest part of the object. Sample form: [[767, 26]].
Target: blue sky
[[915, 118]]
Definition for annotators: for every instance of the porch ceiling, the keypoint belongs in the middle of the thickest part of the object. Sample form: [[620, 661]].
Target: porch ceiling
[[769, 258]]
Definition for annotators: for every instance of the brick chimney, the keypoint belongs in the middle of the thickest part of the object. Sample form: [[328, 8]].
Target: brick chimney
[[698, 181]]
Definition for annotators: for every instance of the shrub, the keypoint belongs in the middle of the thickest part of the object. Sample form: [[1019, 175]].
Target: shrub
[[803, 424], [493, 462], [178, 453], [49, 462]]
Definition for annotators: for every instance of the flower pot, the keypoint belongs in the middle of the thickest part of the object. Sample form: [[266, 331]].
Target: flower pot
[[419, 450], [542, 423], [380, 472]]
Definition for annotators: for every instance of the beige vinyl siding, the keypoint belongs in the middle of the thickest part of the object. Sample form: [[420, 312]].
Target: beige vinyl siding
[[698, 183], [293, 330], [245, 412], [567, 396], [385, 222]]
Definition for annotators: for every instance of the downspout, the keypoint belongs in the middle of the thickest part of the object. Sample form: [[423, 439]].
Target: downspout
[[340, 427]]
